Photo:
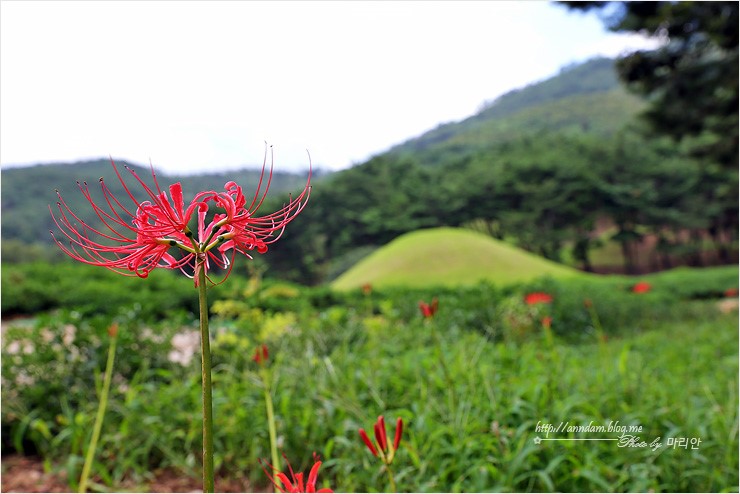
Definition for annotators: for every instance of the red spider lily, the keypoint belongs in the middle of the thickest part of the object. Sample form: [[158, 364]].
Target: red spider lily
[[731, 292], [139, 237], [261, 355], [537, 298], [367, 288], [381, 438], [642, 287], [428, 310], [295, 483]]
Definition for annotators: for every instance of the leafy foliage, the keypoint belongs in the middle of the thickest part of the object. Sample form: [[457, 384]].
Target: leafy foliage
[[692, 80], [339, 360], [33, 287]]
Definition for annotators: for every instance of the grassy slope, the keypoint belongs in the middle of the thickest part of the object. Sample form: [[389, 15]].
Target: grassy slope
[[448, 256]]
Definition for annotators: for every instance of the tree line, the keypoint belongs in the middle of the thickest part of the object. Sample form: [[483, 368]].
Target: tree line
[[547, 194]]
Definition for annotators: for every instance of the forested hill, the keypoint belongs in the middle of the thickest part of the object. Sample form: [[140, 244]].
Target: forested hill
[[27, 192], [585, 98]]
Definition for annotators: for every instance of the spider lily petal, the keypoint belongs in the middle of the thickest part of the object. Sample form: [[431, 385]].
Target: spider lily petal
[[368, 442], [295, 483], [380, 434], [399, 433]]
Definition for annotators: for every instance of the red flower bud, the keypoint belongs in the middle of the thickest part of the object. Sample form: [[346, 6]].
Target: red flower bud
[[368, 442], [399, 433], [113, 330], [428, 310], [261, 354], [380, 434], [547, 322]]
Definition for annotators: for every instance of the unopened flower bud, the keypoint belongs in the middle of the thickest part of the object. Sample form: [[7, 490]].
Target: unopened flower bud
[[380, 434], [113, 330], [368, 442], [399, 433]]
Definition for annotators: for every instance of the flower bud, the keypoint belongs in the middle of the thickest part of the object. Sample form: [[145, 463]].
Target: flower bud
[[113, 330], [368, 442], [399, 433], [380, 434]]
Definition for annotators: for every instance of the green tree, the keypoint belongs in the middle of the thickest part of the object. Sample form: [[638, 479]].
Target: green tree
[[691, 80]]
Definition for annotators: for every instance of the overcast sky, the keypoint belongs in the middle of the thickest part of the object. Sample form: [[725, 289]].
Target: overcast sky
[[197, 86]]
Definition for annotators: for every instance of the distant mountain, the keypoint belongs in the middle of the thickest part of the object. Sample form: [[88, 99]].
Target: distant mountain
[[585, 98], [28, 192]]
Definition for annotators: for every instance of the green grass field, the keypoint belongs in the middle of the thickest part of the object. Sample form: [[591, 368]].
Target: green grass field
[[448, 257], [472, 384]]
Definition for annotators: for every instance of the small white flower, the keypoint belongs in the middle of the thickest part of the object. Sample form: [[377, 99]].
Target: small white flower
[[13, 348], [185, 345], [69, 334], [47, 336], [23, 379], [149, 334]]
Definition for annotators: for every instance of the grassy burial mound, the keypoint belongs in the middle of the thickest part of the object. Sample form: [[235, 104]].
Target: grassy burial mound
[[448, 257]]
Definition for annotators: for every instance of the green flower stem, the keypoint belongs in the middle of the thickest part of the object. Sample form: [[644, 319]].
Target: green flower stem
[[205, 347], [440, 355], [90, 456], [600, 336], [270, 419], [390, 477], [596, 322]]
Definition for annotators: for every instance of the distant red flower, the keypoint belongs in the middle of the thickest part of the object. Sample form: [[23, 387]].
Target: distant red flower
[[731, 292], [642, 287], [139, 236], [547, 322], [537, 298], [381, 440], [261, 355], [295, 483], [113, 330], [367, 288], [428, 310]]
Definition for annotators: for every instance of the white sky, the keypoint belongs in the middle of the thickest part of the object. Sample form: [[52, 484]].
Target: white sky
[[198, 86]]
